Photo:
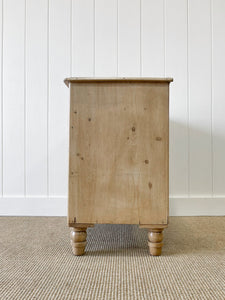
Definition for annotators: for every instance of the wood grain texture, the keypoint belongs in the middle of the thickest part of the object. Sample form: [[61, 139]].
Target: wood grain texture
[[67, 81], [78, 241], [119, 152], [155, 238]]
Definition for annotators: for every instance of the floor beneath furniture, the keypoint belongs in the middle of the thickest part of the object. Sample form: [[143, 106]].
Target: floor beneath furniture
[[36, 261]]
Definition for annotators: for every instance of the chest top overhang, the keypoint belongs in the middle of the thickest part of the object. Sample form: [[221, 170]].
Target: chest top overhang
[[116, 80]]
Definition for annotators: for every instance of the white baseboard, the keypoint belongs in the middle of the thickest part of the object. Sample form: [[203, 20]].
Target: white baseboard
[[57, 206], [197, 206], [33, 206]]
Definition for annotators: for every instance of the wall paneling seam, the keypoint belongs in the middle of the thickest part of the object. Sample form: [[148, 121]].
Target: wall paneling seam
[[25, 96], [188, 104], [2, 96], [48, 95], [94, 38], [164, 36], [140, 37], [212, 107], [117, 38], [71, 37]]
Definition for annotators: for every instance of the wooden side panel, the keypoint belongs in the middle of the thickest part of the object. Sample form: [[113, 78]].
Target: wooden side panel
[[119, 153]]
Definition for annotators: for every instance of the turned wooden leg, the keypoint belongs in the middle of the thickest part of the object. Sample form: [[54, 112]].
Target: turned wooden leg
[[155, 237], [78, 240]]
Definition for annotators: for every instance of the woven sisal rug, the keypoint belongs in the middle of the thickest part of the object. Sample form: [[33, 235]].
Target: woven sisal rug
[[36, 261]]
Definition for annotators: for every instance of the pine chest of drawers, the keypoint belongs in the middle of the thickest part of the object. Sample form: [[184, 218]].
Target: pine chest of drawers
[[118, 156]]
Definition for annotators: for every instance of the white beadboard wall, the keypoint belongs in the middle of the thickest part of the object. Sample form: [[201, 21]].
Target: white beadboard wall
[[44, 41]]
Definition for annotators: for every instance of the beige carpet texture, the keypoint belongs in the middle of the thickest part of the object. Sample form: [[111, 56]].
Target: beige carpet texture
[[36, 261]]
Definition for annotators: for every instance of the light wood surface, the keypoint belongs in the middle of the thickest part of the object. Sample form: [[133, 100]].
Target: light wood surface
[[155, 237], [119, 154], [115, 79], [78, 237]]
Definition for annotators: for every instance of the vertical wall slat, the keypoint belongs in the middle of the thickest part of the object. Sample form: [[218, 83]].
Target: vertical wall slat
[[1, 96], [58, 108], [129, 38], [152, 38], [83, 27], [105, 38], [218, 79], [36, 97], [13, 97], [176, 67], [199, 38]]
